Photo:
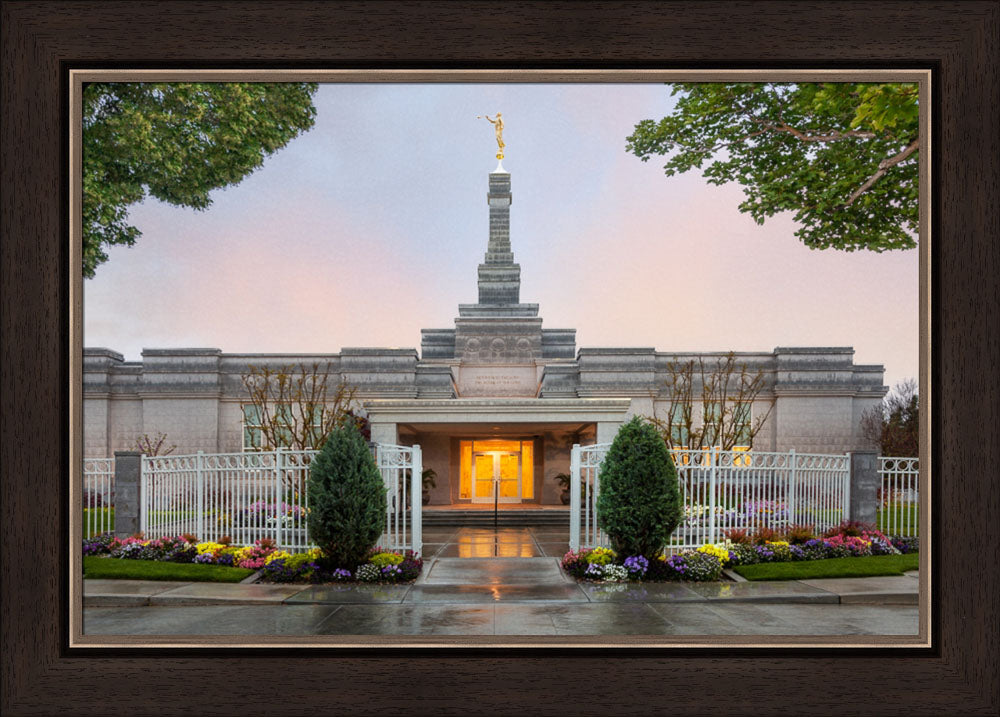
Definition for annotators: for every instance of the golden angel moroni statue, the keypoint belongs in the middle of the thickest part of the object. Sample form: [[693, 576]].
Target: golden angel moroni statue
[[498, 126]]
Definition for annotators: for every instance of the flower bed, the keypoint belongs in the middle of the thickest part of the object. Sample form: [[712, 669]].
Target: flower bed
[[692, 565], [277, 566], [739, 548], [382, 567]]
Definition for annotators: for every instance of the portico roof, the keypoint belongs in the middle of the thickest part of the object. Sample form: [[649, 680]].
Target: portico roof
[[506, 410]]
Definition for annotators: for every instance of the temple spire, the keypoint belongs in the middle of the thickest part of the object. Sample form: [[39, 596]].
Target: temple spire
[[499, 276]]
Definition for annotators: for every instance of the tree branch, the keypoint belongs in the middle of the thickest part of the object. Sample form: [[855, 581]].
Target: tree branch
[[727, 145], [883, 167], [833, 136]]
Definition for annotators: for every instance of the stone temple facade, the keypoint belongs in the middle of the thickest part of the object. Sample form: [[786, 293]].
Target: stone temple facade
[[497, 397]]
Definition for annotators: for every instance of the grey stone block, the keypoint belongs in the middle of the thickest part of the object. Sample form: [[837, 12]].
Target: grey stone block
[[128, 495], [865, 482]]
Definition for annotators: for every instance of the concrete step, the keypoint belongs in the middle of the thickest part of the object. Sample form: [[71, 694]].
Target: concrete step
[[508, 517]]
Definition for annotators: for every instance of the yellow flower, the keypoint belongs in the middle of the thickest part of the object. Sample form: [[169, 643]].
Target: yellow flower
[[715, 551], [386, 558], [276, 555]]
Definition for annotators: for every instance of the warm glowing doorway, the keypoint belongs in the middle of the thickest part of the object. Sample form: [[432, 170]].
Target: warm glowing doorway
[[495, 470], [497, 465]]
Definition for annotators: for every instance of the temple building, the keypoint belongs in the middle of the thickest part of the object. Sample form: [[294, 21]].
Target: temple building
[[496, 396]]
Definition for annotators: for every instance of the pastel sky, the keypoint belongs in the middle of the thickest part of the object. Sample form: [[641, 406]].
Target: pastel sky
[[370, 227]]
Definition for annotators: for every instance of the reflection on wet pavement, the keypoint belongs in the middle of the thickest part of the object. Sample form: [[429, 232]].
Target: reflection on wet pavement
[[499, 571], [504, 542], [488, 617]]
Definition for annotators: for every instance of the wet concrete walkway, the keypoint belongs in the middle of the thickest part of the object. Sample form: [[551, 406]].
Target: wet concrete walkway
[[504, 542], [505, 618]]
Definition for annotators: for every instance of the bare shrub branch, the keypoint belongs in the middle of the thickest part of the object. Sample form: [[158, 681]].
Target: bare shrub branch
[[154, 446], [727, 389], [298, 405]]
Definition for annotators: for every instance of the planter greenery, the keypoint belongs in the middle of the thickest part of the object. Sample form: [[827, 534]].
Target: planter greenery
[[563, 480], [428, 480], [639, 504], [346, 498]]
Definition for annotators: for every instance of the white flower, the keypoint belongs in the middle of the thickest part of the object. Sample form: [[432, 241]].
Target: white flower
[[615, 573]]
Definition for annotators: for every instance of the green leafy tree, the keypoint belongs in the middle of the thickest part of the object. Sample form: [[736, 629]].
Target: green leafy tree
[[841, 156], [347, 503], [176, 142], [639, 502]]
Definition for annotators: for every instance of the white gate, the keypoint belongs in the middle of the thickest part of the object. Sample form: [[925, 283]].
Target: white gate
[[401, 468], [250, 496], [585, 468], [724, 490]]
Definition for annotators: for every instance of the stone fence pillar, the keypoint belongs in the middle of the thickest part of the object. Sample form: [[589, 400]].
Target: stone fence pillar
[[128, 492], [864, 486]]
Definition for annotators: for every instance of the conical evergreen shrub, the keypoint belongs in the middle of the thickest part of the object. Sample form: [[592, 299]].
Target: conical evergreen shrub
[[346, 498], [639, 502]]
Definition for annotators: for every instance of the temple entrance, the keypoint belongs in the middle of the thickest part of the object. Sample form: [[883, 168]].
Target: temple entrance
[[503, 467], [496, 471]]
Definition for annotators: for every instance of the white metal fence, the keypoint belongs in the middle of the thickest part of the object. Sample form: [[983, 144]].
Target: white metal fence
[[246, 496], [401, 468], [899, 495], [251, 496], [722, 490], [98, 495]]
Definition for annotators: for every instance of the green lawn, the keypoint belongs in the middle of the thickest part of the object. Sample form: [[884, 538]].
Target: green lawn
[[870, 566], [94, 519], [98, 567]]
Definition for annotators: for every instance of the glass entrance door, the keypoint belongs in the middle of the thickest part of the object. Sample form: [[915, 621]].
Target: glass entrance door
[[482, 477], [509, 460], [496, 469]]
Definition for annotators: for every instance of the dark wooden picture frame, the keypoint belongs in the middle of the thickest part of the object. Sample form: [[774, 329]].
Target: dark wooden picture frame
[[42, 41]]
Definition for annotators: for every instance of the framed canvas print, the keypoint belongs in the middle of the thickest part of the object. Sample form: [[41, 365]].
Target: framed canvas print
[[496, 502], [264, 229]]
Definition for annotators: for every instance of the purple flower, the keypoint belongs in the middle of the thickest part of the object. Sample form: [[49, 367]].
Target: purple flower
[[636, 565]]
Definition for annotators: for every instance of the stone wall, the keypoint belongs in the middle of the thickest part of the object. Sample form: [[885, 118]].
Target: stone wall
[[195, 396]]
